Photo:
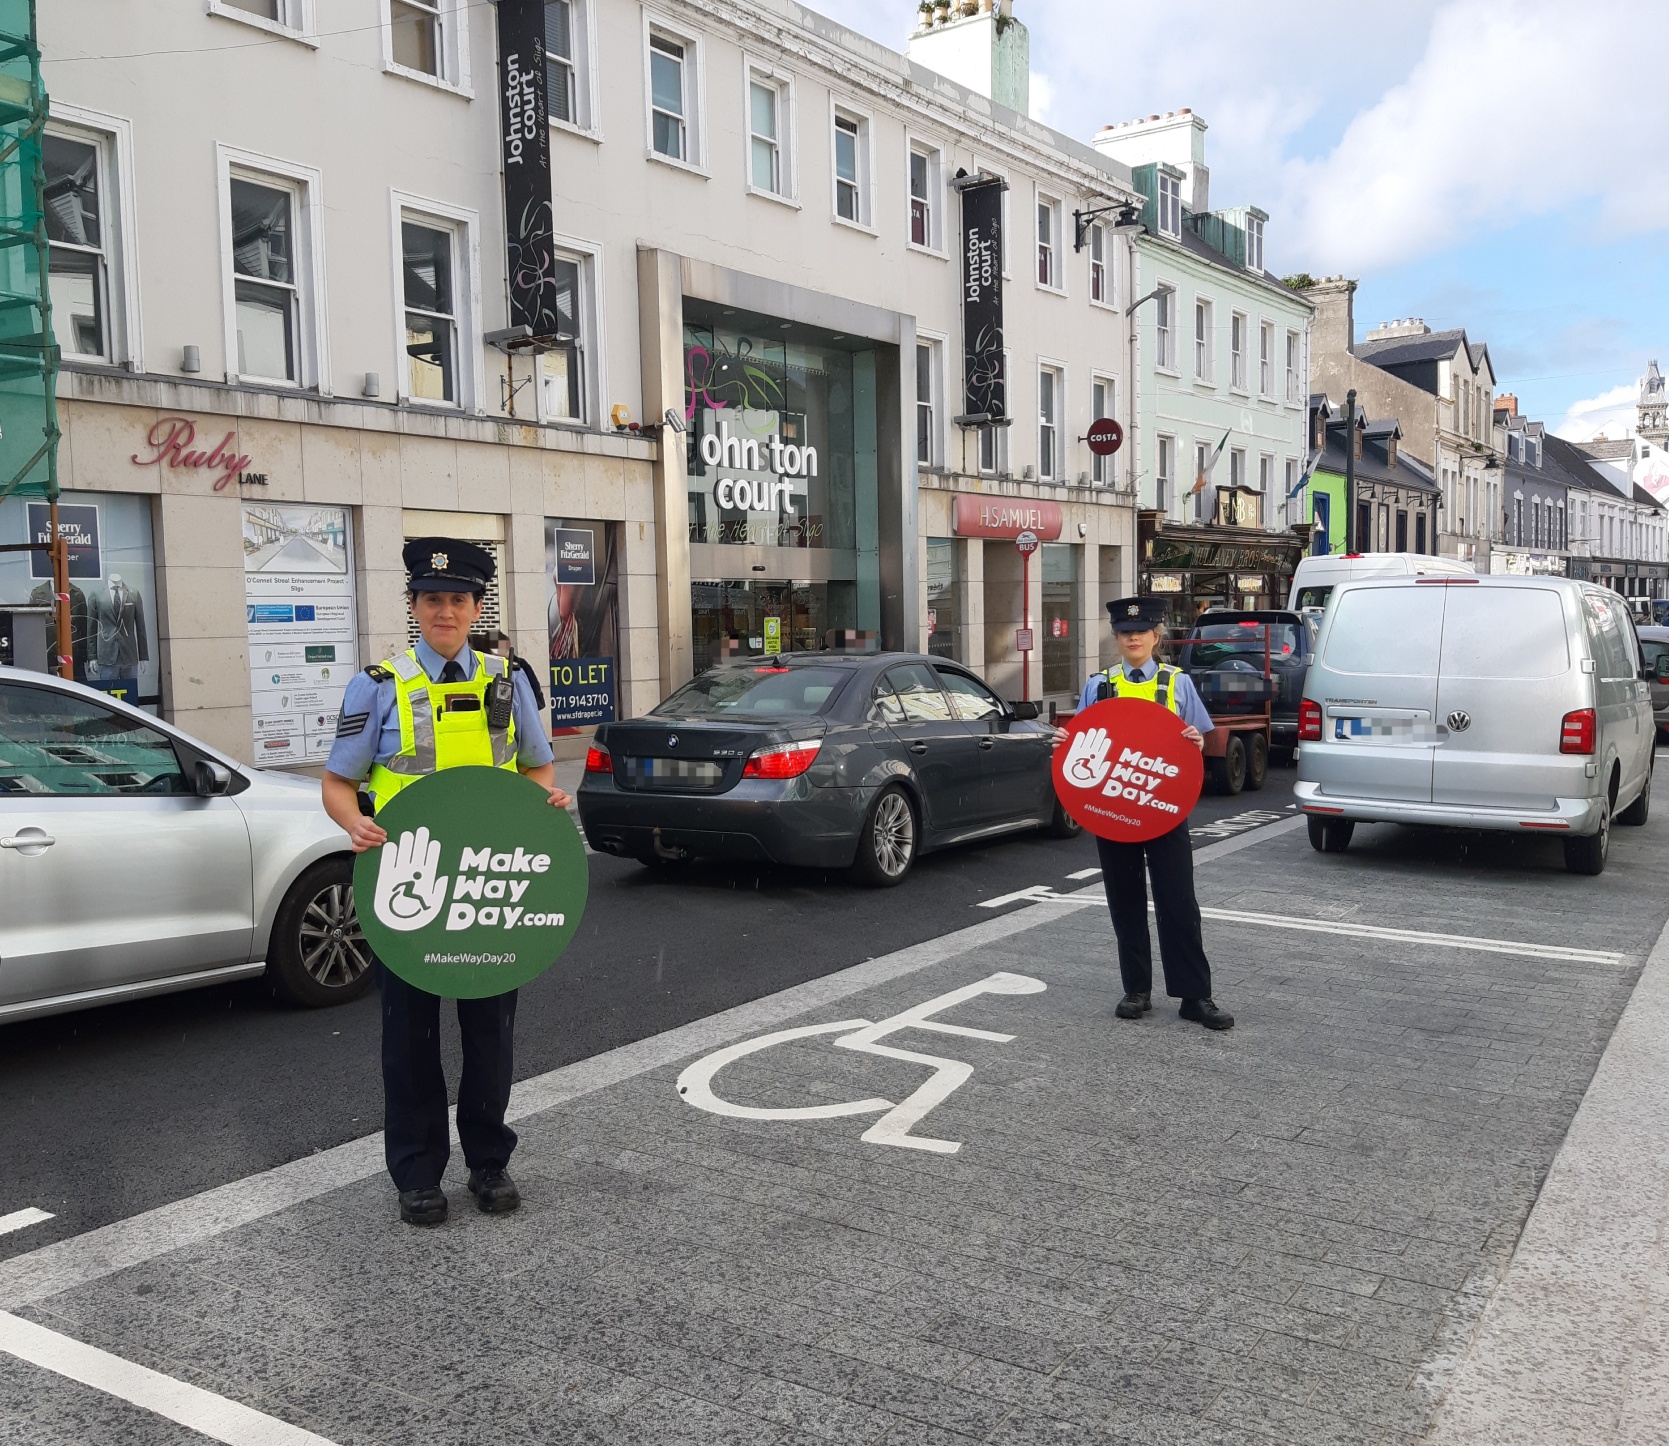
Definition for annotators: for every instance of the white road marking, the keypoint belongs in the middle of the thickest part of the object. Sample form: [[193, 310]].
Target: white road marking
[[1031, 894], [202, 1411], [1238, 823], [19, 1218], [1085, 874], [49, 1270], [695, 1084]]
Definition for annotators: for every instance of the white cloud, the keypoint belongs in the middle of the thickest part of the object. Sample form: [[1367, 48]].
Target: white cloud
[[1611, 413]]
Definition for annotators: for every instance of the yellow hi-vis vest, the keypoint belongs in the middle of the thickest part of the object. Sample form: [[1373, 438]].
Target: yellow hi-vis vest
[[434, 733], [1160, 688]]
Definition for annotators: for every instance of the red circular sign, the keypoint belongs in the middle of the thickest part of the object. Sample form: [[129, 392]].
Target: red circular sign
[[1026, 543], [1105, 436], [1125, 771]]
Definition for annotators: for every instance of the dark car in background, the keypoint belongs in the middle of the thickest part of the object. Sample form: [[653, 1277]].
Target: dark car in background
[[1654, 658], [820, 760], [1226, 662]]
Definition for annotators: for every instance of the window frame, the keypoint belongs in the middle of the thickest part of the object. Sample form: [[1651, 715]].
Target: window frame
[[112, 137], [586, 79], [1103, 471], [592, 334], [1164, 476], [1292, 362], [306, 186], [938, 349], [453, 50], [1204, 338], [1051, 425], [781, 82], [1164, 328], [1239, 322], [934, 155], [1103, 274], [301, 24], [863, 154], [1054, 249], [1254, 228], [465, 228], [1167, 200], [694, 96], [1266, 359]]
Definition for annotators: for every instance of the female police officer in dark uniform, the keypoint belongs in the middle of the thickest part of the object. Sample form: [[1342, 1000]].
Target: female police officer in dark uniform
[[1138, 626], [391, 729]]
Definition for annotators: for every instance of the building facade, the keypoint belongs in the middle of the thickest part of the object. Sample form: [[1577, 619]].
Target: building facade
[[1619, 535], [1395, 496], [1535, 532], [288, 347], [1440, 387], [1220, 434]]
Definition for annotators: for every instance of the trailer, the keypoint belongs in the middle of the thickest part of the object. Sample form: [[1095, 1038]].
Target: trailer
[[1241, 702]]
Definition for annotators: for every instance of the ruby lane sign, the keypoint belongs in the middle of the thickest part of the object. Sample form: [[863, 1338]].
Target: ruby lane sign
[[1126, 772]]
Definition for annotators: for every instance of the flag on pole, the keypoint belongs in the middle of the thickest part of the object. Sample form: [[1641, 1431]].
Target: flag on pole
[[1207, 465], [1303, 477]]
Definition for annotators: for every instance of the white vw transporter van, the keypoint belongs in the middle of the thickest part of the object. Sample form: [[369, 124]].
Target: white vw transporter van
[[1476, 702]]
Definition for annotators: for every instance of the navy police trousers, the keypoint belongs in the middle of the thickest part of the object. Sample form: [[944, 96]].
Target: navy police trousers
[[1169, 859]]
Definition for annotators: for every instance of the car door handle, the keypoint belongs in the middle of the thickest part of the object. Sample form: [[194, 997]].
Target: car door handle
[[918, 748], [987, 742], [36, 840]]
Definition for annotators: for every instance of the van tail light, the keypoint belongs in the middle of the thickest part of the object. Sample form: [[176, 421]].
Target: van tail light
[[1576, 733], [597, 760], [1309, 722], [786, 760]]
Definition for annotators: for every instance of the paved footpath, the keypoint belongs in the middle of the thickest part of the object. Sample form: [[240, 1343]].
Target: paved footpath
[[946, 1196]]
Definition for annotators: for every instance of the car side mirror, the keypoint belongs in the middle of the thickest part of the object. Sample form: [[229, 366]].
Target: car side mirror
[[1025, 710], [210, 780], [1662, 674]]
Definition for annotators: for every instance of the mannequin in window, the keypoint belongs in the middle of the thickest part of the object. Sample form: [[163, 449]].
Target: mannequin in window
[[121, 645]]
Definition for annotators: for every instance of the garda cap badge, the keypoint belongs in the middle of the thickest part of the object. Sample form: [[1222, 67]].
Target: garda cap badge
[[1129, 612], [439, 560]]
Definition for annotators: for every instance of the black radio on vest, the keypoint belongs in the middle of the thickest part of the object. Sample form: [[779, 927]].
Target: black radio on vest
[[501, 693]]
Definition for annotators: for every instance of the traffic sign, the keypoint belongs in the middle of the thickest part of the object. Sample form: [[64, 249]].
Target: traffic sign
[[1125, 771], [1026, 543], [1105, 436], [1023, 638], [480, 886]]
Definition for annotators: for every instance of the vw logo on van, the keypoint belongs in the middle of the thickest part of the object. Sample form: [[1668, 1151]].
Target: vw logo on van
[[1460, 721]]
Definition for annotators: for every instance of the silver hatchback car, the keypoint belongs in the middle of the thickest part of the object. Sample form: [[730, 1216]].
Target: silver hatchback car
[[135, 860], [1512, 703]]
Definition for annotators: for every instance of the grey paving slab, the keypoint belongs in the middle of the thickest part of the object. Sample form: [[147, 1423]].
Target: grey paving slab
[[1149, 1234]]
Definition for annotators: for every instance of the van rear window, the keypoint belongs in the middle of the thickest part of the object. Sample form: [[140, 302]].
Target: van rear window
[[1313, 597], [1504, 632], [1386, 630]]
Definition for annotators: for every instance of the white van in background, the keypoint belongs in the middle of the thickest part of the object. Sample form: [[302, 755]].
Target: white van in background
[[1316, 577]]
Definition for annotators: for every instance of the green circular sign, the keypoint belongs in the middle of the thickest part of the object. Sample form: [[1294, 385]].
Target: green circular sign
[[480, 886]]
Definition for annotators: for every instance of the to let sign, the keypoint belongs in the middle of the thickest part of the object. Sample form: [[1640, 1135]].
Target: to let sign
[[997, 517]]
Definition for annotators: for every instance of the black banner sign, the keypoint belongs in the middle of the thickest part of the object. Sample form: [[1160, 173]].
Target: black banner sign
[[524, 121], [986, 392]]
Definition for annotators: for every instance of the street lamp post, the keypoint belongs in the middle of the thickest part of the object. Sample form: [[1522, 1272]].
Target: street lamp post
[[1352, 543]]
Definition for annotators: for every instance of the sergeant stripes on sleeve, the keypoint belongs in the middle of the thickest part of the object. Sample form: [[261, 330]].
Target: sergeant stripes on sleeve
[[350, 725]]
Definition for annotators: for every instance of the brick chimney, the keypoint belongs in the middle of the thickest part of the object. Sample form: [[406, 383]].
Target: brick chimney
[[1506, 402], [1333, 332]]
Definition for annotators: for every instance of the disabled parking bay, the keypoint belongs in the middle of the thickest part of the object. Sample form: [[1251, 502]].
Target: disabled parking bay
[[944, 1196]]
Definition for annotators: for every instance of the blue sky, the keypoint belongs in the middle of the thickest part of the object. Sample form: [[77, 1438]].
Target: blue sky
[[1501, 165]]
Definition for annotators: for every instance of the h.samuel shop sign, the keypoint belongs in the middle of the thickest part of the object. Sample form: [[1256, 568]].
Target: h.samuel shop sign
[[1006, 518]]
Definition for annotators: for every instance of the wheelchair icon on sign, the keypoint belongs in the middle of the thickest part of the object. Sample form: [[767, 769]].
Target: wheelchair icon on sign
[[695, 1084]]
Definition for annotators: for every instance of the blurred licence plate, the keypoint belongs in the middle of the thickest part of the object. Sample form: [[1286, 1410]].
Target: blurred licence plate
[[1405, 730], [674, 770]]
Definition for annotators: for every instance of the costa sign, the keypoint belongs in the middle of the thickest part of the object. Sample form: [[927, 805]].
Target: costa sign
[[1105, 436], [994, 517], [173, 440], [1125, 771]]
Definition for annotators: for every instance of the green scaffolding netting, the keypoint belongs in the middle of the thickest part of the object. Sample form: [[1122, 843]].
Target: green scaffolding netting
[[28, 357]]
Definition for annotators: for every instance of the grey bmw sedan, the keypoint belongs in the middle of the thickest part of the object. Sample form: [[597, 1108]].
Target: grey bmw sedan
[[821, 760]]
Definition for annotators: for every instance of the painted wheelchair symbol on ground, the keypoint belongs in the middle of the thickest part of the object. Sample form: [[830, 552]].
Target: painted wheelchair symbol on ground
[[695, 1084]]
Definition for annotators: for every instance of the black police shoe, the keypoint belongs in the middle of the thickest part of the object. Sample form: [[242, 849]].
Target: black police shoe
[[1134, 1004], [1206, 1012], [423, 1207], [495, 1192]]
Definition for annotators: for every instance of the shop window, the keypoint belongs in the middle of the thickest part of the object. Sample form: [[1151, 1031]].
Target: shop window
[[1203, 359], [1100, 276], [1164, 474], [929, 389], [430, 286], [427, 40], [563, 382], [851, 168], [926, 190], [1060, 587], [944, 598], [1048, 243], [1237, 350], [1293, 394], [673, 79], [767, 114], [568, 62], [1103, 403], [293, 18], [1164, 314], [1266, 360], [1051, 384], [266, 291]]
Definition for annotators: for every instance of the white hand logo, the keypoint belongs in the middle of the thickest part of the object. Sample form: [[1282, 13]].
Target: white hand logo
[[1086, 763], [408, 893]]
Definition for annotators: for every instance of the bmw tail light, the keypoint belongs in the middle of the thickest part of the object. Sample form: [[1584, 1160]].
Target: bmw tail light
[[1309, 721], [597, 760], [786, 760], [1576, 733]]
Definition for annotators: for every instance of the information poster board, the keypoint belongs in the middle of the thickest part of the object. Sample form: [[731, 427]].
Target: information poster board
[[582, 574], [303, 631]]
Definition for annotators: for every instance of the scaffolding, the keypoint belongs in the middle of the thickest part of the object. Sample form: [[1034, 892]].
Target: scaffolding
[[28, 353]]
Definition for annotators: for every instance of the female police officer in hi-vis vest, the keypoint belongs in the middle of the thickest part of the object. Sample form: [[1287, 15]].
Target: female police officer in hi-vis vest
[[422, 710], [1138, 625]]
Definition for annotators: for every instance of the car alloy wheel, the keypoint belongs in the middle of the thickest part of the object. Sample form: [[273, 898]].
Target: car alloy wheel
[[893, 833], [333, 949]]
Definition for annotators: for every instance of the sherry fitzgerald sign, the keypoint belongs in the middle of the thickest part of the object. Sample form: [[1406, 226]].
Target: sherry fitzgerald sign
[[986, 385], [524, 119]]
